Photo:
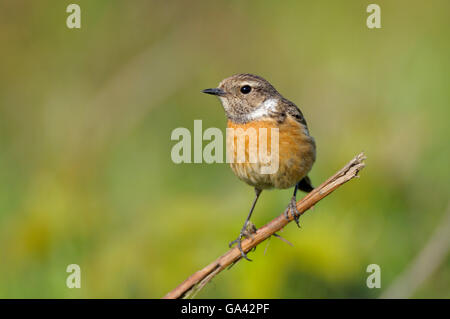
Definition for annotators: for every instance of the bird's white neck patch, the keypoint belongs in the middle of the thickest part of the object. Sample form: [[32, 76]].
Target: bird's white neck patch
[[264, 109]]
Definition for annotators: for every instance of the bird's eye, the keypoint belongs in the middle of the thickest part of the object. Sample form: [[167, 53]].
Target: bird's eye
[[246, 89]]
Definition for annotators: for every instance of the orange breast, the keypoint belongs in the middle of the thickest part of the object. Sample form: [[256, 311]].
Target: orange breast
[[296, 153]]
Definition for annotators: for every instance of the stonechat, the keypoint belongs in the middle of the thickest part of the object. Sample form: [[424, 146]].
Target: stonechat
[[252, 102]]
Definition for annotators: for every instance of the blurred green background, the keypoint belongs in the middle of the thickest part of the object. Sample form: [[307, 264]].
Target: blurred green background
[[86, 117]]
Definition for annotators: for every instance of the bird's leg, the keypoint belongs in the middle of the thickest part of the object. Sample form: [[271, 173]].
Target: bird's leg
[[244, 232], [293, 207]]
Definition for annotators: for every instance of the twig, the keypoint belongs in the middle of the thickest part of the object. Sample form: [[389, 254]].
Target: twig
[[198, 280], [426, 262]]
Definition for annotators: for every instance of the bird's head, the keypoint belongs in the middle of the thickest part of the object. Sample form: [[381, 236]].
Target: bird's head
[[245, 96]]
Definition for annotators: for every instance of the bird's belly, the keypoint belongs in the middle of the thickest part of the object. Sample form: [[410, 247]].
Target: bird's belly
[[296, 151]]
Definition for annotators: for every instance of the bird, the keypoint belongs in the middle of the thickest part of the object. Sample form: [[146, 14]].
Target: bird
[[250, 101]]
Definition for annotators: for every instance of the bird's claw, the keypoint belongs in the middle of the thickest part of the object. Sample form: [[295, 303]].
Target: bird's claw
[[247, 231], [292, 207], [238, 241]]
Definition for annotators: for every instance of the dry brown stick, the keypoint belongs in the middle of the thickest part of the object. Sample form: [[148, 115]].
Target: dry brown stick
[[425, 264], [199, 279]]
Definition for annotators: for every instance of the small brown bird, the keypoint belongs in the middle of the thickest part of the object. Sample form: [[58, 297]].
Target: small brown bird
[[252, 102]]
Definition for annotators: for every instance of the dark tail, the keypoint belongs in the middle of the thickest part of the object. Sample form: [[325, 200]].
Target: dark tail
[[305, 185]]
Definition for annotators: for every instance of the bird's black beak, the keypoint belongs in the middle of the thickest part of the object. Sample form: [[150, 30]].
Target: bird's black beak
[[217, 92]]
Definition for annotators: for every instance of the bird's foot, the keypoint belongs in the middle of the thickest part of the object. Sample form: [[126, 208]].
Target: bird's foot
[[247, 231], [238, 241], [292, 207]]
